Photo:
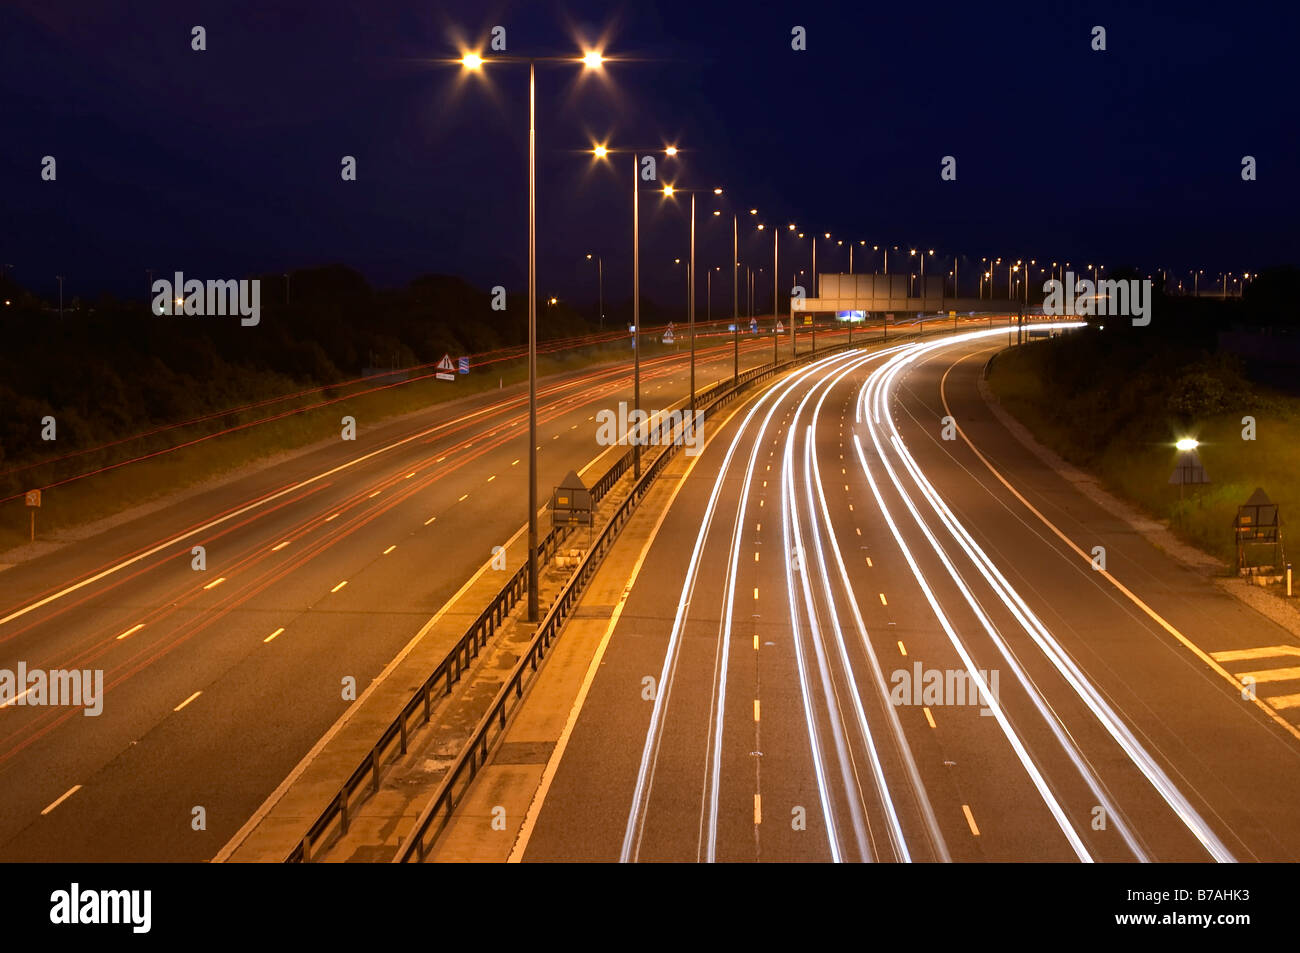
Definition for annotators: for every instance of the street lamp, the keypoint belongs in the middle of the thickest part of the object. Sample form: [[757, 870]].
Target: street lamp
[[862, 242], [601, 151], [600, 289], [669, 192], [735, 288], [473, 62], [708, 292], [776, 289]]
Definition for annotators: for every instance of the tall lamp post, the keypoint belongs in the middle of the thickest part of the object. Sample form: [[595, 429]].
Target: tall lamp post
[[735, 297], [669, 192], [601, 152], [600, 290], [474, 62]]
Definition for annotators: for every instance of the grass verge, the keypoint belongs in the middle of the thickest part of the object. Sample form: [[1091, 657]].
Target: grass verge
[[1116, 413]]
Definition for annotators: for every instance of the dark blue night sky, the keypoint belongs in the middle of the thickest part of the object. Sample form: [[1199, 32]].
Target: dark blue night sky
[[226, 162]]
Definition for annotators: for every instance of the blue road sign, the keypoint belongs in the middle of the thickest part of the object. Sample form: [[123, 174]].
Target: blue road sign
[[464, 365]]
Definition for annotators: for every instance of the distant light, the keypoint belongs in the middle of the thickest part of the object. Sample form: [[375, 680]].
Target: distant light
[[753, 211], [828, 234], [671, 150], [717, 191], [1187, 443], [668, 190], [554, 301], [760, 226], [717, 212], [471, 61], [588, 258], [592, 59], [600, 152], [791, 227]]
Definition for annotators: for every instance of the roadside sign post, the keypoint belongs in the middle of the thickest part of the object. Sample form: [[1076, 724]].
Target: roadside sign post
[[33, 500], [1188, 470], [571, 503], [445, 370], [1258, 523], [463, 365]]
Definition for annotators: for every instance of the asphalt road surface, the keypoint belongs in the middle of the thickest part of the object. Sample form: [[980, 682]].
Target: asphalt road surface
[[876, 638], [218, 681]]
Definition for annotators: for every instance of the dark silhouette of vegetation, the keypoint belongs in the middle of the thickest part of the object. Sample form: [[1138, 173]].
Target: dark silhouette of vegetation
[[113, 369]]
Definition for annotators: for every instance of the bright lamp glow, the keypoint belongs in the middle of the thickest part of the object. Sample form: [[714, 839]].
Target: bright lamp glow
[[1187, 443], [668, 190], [471, 61], [600, 152], [671, 151], [592, 59]]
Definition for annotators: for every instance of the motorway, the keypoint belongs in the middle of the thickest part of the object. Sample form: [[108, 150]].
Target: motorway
[[318, 570], [860, 635]]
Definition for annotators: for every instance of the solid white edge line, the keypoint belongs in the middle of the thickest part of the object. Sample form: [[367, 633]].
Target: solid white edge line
[[265, 807]]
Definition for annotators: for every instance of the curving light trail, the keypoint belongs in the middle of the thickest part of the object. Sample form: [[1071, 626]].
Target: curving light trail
[[883, 431]]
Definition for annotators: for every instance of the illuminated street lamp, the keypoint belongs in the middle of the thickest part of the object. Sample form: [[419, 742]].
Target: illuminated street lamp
[[473, 62], [669, 192], [600, 151], [600, 288], [776, 289]]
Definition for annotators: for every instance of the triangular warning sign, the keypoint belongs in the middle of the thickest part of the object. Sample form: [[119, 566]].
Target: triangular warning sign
[[779, 326], [445, 364]]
